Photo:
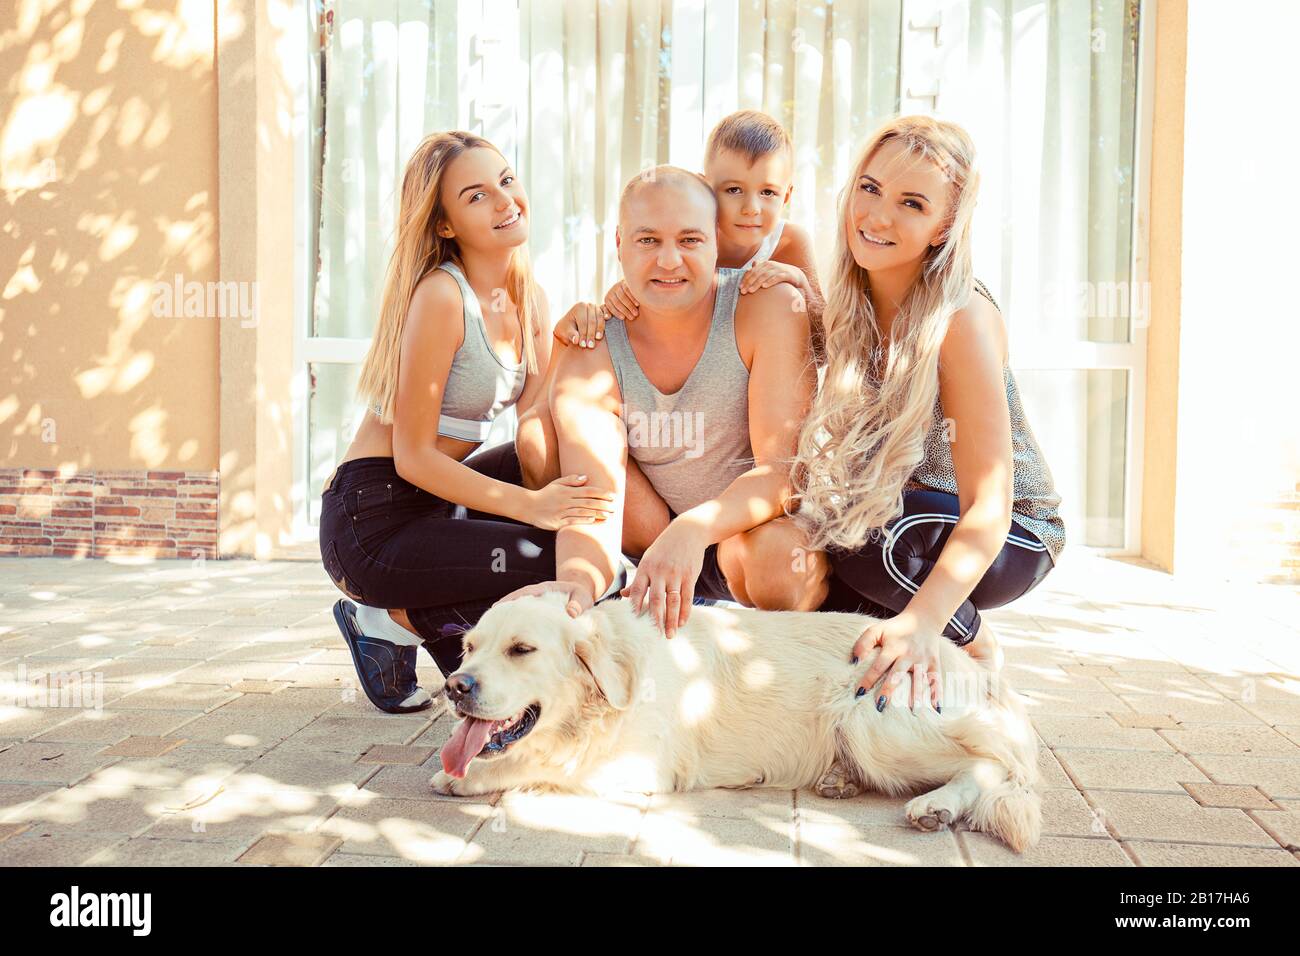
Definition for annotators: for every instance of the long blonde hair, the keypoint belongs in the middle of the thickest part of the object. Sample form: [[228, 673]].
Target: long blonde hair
[[865, 433], [417, 252]]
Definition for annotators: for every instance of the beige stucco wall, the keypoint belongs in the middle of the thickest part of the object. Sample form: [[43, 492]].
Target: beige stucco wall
[[260, 84], [115, 105]]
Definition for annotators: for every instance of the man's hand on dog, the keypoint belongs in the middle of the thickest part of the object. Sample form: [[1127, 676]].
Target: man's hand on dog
[[665, 578], [580, 599]]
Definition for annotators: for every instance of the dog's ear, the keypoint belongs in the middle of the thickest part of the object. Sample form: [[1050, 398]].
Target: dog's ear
[[594, 653]]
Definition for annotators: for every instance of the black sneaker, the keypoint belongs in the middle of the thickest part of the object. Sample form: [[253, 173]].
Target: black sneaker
[[386, 670]]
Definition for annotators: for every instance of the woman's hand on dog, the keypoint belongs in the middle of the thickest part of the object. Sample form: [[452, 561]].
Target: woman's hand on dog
[[905, 646], [580, 599], [665, 577]]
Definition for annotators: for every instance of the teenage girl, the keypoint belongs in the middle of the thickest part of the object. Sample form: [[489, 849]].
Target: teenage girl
[[422, 532]]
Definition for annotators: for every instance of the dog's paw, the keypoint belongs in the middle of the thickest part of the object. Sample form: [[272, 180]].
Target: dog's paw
[[936, 810], [445, 784], [449, 786], [836, 784]]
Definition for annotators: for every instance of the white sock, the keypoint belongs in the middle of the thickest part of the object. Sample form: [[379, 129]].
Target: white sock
[[375, 622]]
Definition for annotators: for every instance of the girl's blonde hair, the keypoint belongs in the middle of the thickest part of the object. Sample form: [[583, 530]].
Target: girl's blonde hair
[[419, 250], [865, 433]]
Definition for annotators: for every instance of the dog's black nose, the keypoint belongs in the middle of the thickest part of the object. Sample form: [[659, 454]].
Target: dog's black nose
[[460, 685]]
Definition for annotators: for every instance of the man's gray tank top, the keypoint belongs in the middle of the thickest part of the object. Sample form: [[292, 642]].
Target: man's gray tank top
[[479, 385], [1036, 504], [693, 443]]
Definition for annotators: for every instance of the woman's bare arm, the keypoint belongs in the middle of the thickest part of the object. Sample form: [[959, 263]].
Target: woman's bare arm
[[973, 394], [433, 332]]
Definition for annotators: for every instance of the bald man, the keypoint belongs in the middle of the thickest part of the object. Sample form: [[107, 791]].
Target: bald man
[[704, 395]]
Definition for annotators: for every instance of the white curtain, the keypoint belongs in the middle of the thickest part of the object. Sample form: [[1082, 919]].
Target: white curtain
[[621, 85]]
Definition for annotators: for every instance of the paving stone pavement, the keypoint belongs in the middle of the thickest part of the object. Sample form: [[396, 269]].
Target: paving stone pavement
[[204, 713]]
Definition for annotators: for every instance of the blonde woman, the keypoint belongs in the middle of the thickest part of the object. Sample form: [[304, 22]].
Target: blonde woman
[[917, 469], [420, 531]]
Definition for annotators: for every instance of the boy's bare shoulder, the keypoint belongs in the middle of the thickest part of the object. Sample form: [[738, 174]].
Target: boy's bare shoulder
[[794, 246], [794, 234]]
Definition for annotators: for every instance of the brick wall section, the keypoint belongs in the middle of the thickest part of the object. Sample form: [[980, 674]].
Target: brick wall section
[[161, 514]]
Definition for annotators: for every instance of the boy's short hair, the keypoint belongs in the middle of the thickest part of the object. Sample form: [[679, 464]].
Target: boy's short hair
[[752, 133]]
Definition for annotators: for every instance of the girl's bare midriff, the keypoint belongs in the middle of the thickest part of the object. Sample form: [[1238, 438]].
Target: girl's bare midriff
[[375, 440]]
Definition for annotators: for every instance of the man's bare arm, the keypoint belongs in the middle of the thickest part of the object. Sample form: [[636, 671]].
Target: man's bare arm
[[592, 441]]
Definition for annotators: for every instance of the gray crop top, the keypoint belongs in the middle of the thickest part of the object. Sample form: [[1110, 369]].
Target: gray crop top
[[479, 385]]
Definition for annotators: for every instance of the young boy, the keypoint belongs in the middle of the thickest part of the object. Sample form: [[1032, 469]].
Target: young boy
[[749, 162]]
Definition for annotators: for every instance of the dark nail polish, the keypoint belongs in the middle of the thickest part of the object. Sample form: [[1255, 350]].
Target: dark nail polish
[[938, 709], [855, 659], [861, 691], [880, 704]]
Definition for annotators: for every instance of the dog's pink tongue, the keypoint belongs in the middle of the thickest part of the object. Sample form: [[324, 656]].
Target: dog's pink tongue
[[466, 741]]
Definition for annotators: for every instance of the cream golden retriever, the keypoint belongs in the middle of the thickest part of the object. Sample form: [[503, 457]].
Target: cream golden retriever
[[738, 698]]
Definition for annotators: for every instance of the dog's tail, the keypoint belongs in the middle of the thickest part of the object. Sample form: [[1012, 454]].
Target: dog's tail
[[1012, 811]]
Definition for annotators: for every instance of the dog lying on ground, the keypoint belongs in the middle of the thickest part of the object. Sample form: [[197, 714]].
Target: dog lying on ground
[[738, 698]]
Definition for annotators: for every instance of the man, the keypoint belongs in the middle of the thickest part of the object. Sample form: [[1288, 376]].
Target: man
[[706, 392]]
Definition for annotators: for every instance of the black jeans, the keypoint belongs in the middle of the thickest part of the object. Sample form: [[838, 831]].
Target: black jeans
[[389, 544], [886, 572]]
